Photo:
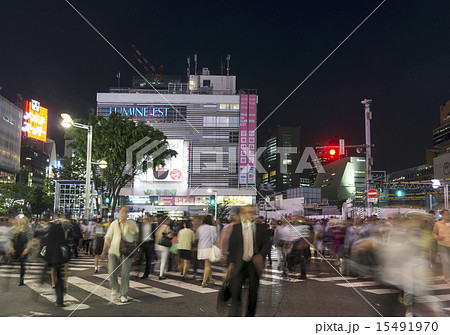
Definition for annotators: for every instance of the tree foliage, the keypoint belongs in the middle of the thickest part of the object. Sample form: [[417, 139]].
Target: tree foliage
[[223, 211], [19, 197], [110, 141]]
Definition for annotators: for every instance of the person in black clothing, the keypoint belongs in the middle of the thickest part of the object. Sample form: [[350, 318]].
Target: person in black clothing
[[76, 235], [248, 246], [146, 230], [20, 243], [57, 254]]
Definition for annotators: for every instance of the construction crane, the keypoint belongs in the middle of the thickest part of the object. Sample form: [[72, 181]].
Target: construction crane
[[145, 63]]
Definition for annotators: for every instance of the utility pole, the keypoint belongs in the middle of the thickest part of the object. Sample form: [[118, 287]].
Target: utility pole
[[369, 162]]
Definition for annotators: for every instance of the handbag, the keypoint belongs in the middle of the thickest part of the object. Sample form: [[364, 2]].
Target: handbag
[[222, 299], [66, 254], [215, 254], [165, 241], [126, 248], [174, 248]]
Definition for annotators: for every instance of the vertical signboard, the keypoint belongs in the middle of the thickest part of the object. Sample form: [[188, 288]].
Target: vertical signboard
[[251, 177], [35, 120], [243, 136]]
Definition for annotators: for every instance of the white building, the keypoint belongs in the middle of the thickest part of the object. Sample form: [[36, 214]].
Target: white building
[[207, 123]]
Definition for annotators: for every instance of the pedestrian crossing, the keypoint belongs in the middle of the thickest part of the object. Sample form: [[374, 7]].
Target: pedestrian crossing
[[35, 268], [82, 287]]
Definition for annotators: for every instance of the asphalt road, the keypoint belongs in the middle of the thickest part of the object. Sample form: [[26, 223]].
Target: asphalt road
[[323, 294]]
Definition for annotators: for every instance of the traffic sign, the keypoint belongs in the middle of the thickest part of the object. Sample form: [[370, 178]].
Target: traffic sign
[[372, 193]]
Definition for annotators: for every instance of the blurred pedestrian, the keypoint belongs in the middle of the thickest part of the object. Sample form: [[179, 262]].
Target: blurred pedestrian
[[185, 238], [21, 242], [147, 239], [163, 237], [248, 246], [206, 235], [57, 254], [225, 237], [120, 229], [441, 232], [98, 233]]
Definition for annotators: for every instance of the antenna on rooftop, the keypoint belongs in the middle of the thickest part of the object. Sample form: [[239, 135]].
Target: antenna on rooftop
[[228, 64], [195, 64]]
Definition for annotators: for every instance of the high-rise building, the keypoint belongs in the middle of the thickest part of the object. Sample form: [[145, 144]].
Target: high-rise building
[[280, 164], [441, 135], [343, 179], [10, 140], [38, 152]]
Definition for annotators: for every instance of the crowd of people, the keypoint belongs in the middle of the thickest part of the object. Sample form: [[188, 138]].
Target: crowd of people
[[400, 251]]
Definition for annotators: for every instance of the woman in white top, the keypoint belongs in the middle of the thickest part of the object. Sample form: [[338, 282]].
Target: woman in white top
[[207, 236], [163, 251]]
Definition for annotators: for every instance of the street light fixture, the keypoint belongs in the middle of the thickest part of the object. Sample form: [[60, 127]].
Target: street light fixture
[[67, 122], [215, 202]]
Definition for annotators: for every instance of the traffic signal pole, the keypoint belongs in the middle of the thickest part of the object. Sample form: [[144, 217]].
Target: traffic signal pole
[[367, 118]]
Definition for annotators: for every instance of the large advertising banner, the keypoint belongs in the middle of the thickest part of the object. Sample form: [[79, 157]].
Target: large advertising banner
[[251, 178], [35, 120], [243, 136], [174, 169]]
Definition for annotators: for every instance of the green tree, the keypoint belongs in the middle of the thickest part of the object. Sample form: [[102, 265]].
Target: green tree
[[110, 141], [15, 198], [223, 211]]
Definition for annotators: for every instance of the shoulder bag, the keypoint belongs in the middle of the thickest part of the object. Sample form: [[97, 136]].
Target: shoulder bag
[[126, 248], [165, 241], [215, 254]]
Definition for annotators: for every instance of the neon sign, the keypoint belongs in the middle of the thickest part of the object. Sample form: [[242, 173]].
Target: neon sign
[[35, 120], [140, 111]]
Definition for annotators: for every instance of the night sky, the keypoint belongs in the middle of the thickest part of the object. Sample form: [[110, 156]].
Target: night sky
[[400, 58]]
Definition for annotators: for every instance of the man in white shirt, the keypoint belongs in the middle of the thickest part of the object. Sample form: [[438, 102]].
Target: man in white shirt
[[121, 228]]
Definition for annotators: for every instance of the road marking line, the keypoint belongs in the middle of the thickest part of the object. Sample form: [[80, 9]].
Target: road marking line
[[440, 287], [360, 284], [46, 291], [444, 297], [100, 291], [184, 285], [382, 291], [17, 275], [147, 288], [333, 278]]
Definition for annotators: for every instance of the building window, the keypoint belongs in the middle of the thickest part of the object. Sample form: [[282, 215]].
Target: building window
[[234, 137], [209, 121]]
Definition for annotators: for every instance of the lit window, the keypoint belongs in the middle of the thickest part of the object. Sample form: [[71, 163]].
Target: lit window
[[209, 121], [223, 121], [235, 106]]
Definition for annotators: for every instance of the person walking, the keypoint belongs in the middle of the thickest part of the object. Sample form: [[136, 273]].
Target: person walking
[[441, 232], [147, 239], [57, 254], [21, 242], [206, 236], [163, 236], [185, 238], [120, 229], [98, 233], [248, 246]]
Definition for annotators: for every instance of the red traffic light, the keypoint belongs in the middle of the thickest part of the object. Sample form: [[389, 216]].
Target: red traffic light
[[332, 152]]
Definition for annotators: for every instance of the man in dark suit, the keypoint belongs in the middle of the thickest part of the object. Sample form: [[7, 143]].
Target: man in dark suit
[[248, 246]]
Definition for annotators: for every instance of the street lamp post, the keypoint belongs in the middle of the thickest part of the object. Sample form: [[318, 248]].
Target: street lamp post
[[367, 118], [68, 122]]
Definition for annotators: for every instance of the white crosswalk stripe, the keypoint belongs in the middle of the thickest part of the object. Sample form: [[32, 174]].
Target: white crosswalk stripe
[[46, 291], [146, 288], [95, 289]]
